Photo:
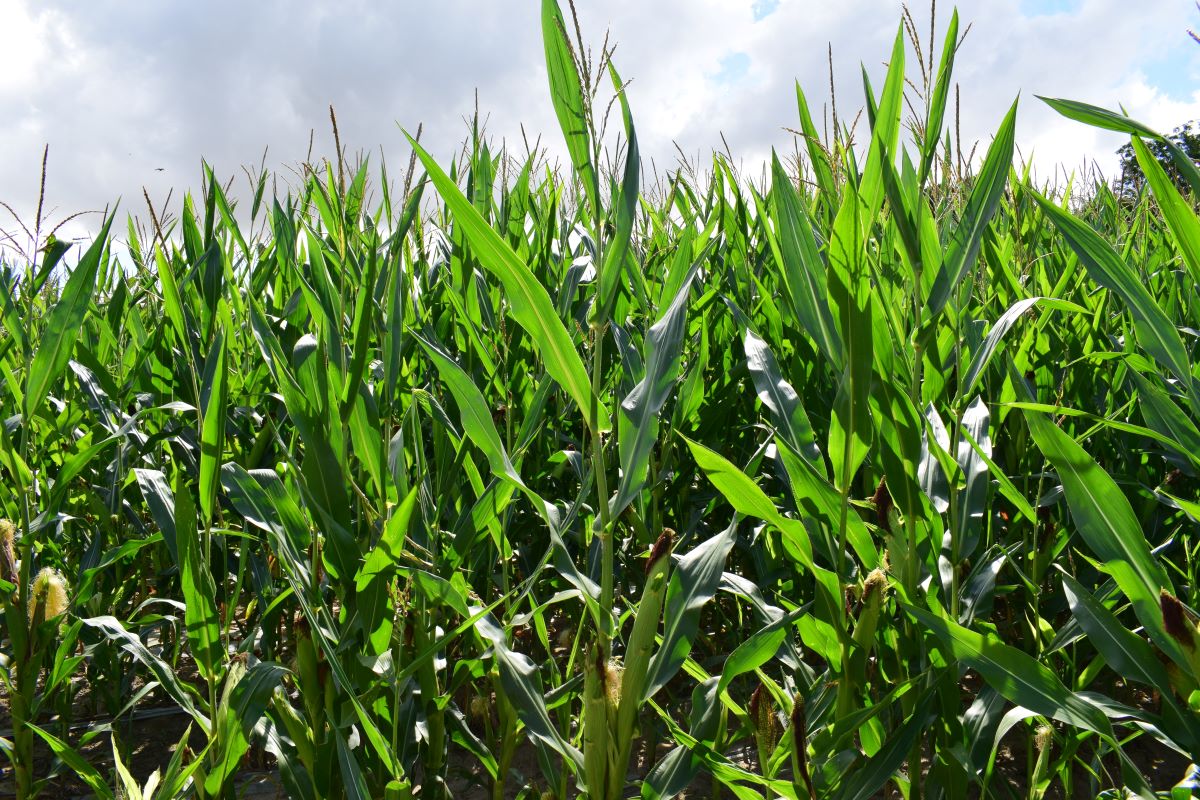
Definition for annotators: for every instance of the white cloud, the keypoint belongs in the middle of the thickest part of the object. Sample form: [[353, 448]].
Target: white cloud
[[119, 90]]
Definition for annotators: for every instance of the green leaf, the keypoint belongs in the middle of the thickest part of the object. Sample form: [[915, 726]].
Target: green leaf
[[523, 687], [1164, 416], [983, 354], [1015, 674], [1155, 330], [801, 266], [529, 302], [758, 649], [478, 424], [1128, 654], [1102, 118], [1106, 521], [473, 409], [694, 581], [780, 397], [853, 302], [240, 712], [1178, 212], [885, 132], [199, 589], [747, 499], [64, 324], [937, 103], [262, 498], [618, 249], [161, 502], [864, 781], [387, 553], [112, 629], [817, 156], [567, 94], [817, 498], [364, 321], [214, 396], [985, 198], [75, 760], [637, 425]]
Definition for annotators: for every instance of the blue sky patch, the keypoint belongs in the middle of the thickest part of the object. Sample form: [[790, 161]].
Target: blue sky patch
[[1045, 8], [732, 69], [764, 8], [1175, 68]]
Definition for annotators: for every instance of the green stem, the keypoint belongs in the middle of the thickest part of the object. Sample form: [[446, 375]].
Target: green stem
[[19, 631], [605, 624]]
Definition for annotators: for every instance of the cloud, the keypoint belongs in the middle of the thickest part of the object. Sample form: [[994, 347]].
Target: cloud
[[120, 91]]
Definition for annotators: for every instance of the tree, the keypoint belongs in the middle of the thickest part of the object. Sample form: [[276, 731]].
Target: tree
[[1186, 137]]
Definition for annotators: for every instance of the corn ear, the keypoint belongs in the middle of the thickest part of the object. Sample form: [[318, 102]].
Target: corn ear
[[8, 554], [1184, 628], [801, 780], [641, 648], [308, 675], [766, 726], [868, 619], [48, 599], [595, 723]]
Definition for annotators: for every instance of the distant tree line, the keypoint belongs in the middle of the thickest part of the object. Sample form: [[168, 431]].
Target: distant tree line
[[1186, 137]]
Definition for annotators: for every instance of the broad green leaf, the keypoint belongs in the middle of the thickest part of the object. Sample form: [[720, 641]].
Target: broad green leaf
[[481, 428], [625, 207], [1106, 267], [983, 355], [179, 692], [937, 103], [161, 502], [865, 780], [1164, 416], [985, 198], [567, 93], [853, 303], [75, 760], [817, 157], [387, 552], [214, 397], [780, 398], [1106, 521], [199, 589], [64, 324], [801, 266], [1102, 118], [523, 687], [240, 712], [529, 302], [1015, 674], [758, 649], [747, 499], [818, 499], [637, 427], [1127, 653], [1178, 212], [476, 416], [885, 132], [694, 581], [264, 499]]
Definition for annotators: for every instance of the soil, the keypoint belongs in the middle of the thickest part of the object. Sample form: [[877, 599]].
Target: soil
[[153, 732], [153, 735]]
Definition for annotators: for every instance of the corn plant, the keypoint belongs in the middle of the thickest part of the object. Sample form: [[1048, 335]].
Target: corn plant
[[875, 475]]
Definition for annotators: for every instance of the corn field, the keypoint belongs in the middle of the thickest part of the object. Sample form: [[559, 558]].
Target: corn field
[[873, 477]]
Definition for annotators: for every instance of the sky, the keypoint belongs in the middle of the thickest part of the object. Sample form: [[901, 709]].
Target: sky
[[133, 95]]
